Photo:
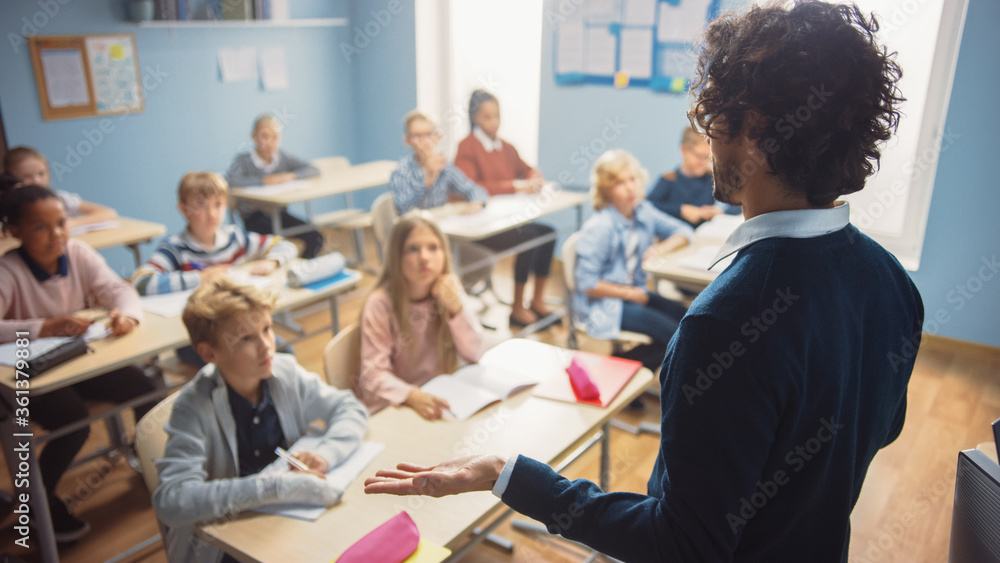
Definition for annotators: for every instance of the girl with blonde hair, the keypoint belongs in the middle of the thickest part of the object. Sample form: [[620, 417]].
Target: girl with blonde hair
[[414, 325]]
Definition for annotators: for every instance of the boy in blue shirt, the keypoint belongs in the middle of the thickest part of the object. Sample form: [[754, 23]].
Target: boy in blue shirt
[[686, 193]]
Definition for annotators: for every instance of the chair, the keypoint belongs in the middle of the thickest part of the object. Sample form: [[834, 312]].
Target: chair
[[384, 216], [342, 358], [569, 279], [150, 443]]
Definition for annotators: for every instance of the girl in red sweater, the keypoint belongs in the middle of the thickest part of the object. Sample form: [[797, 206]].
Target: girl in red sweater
[[495, 165]]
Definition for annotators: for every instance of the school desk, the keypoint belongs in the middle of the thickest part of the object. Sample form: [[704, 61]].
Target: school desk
[[129, 232], [547, 430], [334, 180]]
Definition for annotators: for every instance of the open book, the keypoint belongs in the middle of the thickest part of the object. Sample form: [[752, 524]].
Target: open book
[[474, 386]]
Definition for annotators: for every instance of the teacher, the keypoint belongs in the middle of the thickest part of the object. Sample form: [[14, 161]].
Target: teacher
[[789, 372]]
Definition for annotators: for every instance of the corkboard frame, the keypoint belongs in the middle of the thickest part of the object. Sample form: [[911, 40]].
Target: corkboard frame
[[39, 44]]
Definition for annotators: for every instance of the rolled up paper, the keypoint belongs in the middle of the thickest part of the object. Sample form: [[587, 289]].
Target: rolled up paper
[[583, 386], [320, 268]]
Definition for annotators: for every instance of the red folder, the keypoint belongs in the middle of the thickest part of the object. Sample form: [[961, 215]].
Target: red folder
[[608, 373]]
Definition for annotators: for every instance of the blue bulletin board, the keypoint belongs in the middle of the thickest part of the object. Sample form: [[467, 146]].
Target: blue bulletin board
[[631, 43]]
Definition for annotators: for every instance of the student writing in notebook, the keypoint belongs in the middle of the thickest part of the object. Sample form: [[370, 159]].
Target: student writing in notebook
[[414, 325], [789, 372], [27, 167], [43, 285], [610, 291], [686, 193], [494, 164], [227, 422], [266, 165]]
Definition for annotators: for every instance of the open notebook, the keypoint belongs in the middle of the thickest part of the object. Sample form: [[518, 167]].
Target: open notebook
[[474, 386], [340, 476]]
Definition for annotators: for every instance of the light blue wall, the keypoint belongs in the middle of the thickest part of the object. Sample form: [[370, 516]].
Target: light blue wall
[[191, 119], [963, 230], [964, 224], [385, 79]]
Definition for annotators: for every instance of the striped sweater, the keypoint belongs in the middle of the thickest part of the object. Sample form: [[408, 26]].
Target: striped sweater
[[176, 264]]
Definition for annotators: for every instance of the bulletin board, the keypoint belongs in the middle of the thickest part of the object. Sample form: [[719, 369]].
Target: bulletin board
[[86, 75], [631, 43]]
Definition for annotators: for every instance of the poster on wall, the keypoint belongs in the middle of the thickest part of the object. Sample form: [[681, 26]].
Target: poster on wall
[[86, 75], [631, 43]]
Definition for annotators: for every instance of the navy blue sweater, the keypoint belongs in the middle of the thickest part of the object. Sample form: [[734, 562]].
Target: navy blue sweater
[[786, 376], [674, 189]]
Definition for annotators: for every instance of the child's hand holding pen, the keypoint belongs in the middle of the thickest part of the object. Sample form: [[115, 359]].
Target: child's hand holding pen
[[304, 461]]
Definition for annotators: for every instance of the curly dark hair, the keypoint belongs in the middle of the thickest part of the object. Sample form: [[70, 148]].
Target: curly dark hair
[[810, 86]]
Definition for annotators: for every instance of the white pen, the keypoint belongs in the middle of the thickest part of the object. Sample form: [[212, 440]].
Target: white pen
[[294, 461]]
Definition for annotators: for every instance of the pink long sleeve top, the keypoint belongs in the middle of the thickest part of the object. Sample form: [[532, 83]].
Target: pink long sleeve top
[[390, 369], [29, 295]]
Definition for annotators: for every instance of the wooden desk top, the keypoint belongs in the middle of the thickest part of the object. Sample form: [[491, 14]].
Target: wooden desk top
[[154, 334], [544, 429], [346, 179], [666, 267], [129, 231], [503, 213]]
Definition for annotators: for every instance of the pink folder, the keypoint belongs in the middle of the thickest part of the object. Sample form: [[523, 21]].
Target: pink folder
[[392, 542], [608, 373]]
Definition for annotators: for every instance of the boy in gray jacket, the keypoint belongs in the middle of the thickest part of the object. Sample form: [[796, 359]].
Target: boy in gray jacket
[[226, 422]]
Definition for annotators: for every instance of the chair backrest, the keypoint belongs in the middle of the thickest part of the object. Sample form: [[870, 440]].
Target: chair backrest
[[569, 263], [384, 216], [151, 440], [330, 164], [342, 358]]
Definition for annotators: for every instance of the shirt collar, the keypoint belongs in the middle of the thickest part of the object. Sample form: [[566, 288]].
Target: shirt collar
[[489, 144], [243, 404], [267, 167], [36, 270], [193, 241], [794, 223]]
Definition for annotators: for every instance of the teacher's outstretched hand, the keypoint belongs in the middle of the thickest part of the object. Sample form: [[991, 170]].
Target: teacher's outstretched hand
[[461, 475]]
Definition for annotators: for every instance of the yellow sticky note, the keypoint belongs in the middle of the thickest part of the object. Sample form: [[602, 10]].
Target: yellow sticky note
[[621, 79], [678, 85], [428, 552], [117, 52]]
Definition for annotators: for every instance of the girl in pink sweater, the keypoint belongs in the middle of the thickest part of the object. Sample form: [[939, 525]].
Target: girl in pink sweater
[[42, 285], [414, 325]]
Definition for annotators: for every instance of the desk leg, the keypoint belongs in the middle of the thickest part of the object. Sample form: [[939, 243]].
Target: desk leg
[[38, 501], [134, 247], [276, 221], [606, 457], [334, 315], [579, 217]]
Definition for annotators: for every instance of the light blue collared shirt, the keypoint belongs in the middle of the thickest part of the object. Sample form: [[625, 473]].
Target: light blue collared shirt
[[795, 223], [601, 256]]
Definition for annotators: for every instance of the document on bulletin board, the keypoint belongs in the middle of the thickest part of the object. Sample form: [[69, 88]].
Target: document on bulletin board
[[65, 79], [113, 71]]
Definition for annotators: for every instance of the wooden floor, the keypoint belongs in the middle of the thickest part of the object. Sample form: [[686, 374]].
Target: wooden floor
[[904, 513]]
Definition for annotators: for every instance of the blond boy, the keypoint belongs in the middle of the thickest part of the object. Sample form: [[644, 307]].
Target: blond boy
[[226, 422]]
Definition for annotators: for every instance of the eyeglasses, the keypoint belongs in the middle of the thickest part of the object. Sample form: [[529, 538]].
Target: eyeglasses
[[426, 135]]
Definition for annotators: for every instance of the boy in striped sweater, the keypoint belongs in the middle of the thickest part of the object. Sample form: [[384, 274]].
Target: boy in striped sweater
[[207, 248]]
